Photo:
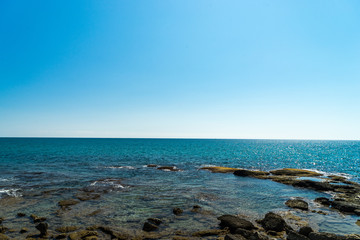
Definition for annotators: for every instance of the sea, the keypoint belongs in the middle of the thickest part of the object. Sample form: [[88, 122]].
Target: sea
[[37, 173]]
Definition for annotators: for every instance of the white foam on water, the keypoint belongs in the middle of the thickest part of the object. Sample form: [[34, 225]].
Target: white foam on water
[[13, 192], [120, 167]]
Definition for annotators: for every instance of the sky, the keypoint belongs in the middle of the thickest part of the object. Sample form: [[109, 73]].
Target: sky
[[180, 69]]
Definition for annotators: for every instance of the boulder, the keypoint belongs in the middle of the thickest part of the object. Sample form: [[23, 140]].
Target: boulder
[[42, 227], [297, 203], [295, 172], [148, 227], [234, 222], [177, 211], [305, 231], [292, 235], [274, 222], [323, 200], [249, 173]]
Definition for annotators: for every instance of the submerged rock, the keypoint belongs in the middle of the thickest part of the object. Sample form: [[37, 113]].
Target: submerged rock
[[155, 221], [21, 214], [85, 196], [319, 186], [37, 219], [295, 172], [148, 227], [323, 200], [220, 169], [234, 222], [210, 232], [177, 211], [297, 203], [151, 165], [66, 203], [82, 234], [169, 168], [66, 229]]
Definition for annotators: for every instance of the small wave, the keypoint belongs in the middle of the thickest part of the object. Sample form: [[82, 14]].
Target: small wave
[[115, 183], [10, 192], [119, 167]]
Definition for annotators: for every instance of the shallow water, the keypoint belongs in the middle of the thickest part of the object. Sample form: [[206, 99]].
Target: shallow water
[[40, 172]]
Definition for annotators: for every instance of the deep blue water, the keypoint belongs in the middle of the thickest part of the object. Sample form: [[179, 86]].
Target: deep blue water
[[30, 166]]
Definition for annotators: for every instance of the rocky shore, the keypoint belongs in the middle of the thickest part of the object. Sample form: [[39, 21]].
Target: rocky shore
[[346, 199]]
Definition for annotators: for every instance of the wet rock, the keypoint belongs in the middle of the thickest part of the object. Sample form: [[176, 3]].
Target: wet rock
[[66, 203], [23, 230], [3, 237], [1, 220], [305, 231], [234, 222], [295, 172], [21, 214], [82, 234], [210, 232], [60, 236], [37, 219], [149, 227], [66, 229], [318, 186], [85, 196], [234, 237], [3, 229], [177, 211], [323, 236], [295, 236], [196, 208], [297, 203], [169, 168], [91, 238], [42, 227], [358, 222], [251, 235], [249, 173], [94, 213], [323, 200], [220, 169], [113, 233], [155, 221], [274, 222], [152, 165], [346, 207]]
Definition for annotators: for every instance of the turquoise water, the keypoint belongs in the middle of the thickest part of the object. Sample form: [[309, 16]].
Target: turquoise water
[[40, 172]]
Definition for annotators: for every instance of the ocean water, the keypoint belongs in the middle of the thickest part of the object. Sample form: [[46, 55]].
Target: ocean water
[[39, 172]]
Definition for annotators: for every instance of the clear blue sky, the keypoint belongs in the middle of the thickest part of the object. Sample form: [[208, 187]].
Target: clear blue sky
[[202, 69]]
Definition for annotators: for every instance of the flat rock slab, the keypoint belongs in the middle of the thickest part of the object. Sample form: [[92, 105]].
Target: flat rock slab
[[297, 203], [234, 222]]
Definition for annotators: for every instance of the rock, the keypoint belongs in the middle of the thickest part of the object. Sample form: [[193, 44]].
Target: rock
[[346, 207], [85, 196], [323, 200], [358, 222], [24, 230], [305, 231], [248, 173], [91, 238], [297, 203], [3, 229], [169, 168], [220, 169], [234, 222], [149, 227], [210, 232], [61, 236], [318, 186], [177, 211], [3, 237], [21, 214], [37, 219], [114, 234], [66, 203], [273, 222], [251, 235], [82, 234], [295, 172], [42, 227], [234, 237], [155, 221], [151, 165], [295, 236], [66, 229], [323, 236], [1, 220]]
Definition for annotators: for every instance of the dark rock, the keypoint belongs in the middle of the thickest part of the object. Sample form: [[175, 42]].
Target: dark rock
[[323, 236], [344, 206], [66, 203], [177, 211], [149, 227], [21, 214], [155, 221], [295, 172], [66, 229], [297, 203], [305, 231], [37, 219], [61, 236], [323, 200], [1, 220], [210, 232], [250, 235], [42, 227], [318, 186], [234, 237], [151, 165], [273, 222], [234, 222], [295, 236], [82, 234], [248, 173], [24, 230]]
